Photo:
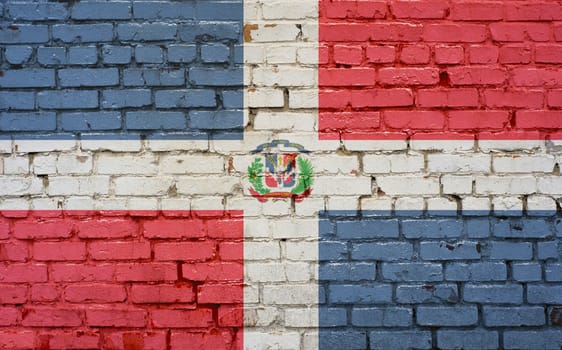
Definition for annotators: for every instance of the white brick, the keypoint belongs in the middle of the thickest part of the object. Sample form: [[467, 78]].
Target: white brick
[[298, 272], [173, 145], [310, 141], [277, 208], [301, 98], [144, 205], [511, 145], [409, 204], [262, 250], [79, 185], [287, 121], [74, 164], [523, 163], [309, 207], [254, 54], [192, 164], [272, 32], [16, 165], [265, 272], [541, 203], [251, 140], [442, 205], [281, 54], [334, 164], [208, 185], [142, 186], [442, 145], [110, 204], [290, 9], [125, 164], [307, 55], [175, 204], [456, 184], [259, 317], [49, 203], [111, 145], [20, 186], [14, 204], [284, 76], [5, 146], [378, 145], [265, 97], [408, 185], [505, 185], [508, 206], [301, 317], [340, 185], [282, 340], [251, 206], [294, 228], [207, 203], [251, 295], [310, 340], [342, 203], [256, 228], [449, 163], [79, 203], [476, 204], [36, 146], [290, 294], [395, 163], [301, 251], [376, 204], [550, 185], [310, 32], [44, 165]]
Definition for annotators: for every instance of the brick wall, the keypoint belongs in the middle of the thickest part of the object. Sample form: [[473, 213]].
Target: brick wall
[[128, 218]]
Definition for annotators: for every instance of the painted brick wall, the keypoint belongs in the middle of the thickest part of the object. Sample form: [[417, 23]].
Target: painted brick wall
[[433, 128]]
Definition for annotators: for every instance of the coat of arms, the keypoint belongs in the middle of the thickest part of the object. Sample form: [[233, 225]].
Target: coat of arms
[[281, 172]]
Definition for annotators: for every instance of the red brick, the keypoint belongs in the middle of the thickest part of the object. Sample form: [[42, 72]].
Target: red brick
[[420, 9], [23, 273], [81, 272], [483, 54], [422, 120], [355, 9], [408, 76], [396, 31], [323, 55], [220, 293], [346, 77], [174, 228], [347, 54], [478, 120], [548, 54], [33, 228], [391, 31], [15, 213], [232, 251], [146, 272], [539, 119], [455, 33], [44, 293], [119, 250], [182, 318], [95, 293], [334, 98], [448, 98], [514, 99], [216, 272], [477, 11], [134, 340], [349, 121], [231, 316], [73, 340], [344, 32], [212, 339], [515, 54], [17, 339], [107, 228], [382, 98], [532, 11], [449, 54], [477, 75], [558, 31], [554, 98], [4, 229], [59, 251], [520, 31], [14, 251], [184, 251], [51, 317], [13, 294], [415, 54], [8, 316], [116, 318], [537, 77], [381, 54], [159, 294]]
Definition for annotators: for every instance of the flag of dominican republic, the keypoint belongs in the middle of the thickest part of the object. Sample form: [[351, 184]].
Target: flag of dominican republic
[[280, 174]]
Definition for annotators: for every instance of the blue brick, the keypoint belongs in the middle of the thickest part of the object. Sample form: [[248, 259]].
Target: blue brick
[[40, 121], [18, 54], [117, 54], [425, 228], [427, 293], [24, 34], [498, 294], [154, 77], [553, 272], [511, 250], [21, 78], [149, 54], [332, 317], [220, 10], [473, 339], [521, 339], [478, 228], [84, 121], [367, 229], [544, 294], [101, 10], [185, 98], [126, 98], [146, 31], [51, 55], [239, 54], [83, 33], [495, 316], [382, 317], [332, 251], [147, 120], [67, 99], [449, 251], [163, 10], [447, 315], [182, 53], [485, 271], [17, 100], [412, 272], [75, 77], [215, 53], [215, 77], [233, 99], [558, 227], [343, 272], [525, 228], [400, 340], [346, 339], [548, 250], [216, 120], [390, 251], [366, 293], [36, 11], [83, 55], [210, 31], [527, 272]]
